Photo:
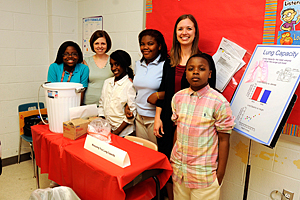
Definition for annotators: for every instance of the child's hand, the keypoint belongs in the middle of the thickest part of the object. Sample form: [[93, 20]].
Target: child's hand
[[174, 116], [220, 177], [223, 155], [120, 128], [128, 113], [116, 132]]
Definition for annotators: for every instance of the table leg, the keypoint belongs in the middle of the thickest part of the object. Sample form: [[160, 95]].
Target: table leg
[[157, 187], [37, 176]]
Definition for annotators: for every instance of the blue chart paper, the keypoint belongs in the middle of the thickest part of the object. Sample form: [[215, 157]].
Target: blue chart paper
[[265, 91]]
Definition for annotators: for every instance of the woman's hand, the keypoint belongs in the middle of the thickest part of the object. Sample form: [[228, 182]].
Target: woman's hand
[[82, 97], [158, 125]]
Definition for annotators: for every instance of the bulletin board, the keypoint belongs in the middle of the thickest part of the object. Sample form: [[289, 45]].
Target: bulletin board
[[247, 23]]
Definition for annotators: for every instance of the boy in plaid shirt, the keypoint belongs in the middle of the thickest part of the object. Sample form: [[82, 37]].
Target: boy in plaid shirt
[[204, 123]]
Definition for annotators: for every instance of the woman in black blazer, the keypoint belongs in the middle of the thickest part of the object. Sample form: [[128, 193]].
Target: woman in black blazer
[[185, 44]]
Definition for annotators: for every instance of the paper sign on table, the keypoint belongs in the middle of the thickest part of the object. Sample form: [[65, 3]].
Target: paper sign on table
[[107, 151]]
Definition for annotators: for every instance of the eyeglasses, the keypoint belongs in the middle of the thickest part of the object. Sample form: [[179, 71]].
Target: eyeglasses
[[72, 54]]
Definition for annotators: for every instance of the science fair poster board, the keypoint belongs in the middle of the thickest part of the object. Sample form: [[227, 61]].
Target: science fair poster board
[[265, 91], [89, 26]]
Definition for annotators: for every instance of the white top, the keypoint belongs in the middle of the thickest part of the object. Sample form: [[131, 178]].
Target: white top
[[112, 103], [146, 81]]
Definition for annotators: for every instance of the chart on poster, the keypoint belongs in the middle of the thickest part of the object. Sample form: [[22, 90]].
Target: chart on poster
[[89, 26], [265, 91]]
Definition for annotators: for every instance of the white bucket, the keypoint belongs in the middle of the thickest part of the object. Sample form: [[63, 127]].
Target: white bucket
[[61, 96]]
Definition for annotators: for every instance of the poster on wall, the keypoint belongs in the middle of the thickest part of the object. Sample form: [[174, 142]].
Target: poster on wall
[[89, 26], [289, 33], [265, 91]]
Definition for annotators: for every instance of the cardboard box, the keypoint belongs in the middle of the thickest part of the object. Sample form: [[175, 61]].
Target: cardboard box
[[92, 118], [75, 128]]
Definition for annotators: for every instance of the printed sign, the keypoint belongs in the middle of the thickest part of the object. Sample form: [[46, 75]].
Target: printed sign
[[265, 91], [107, 151]]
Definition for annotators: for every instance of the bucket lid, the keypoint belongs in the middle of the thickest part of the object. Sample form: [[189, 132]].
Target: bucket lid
[[62, 85]]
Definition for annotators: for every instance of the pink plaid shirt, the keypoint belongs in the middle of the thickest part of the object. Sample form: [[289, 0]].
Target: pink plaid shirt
[[199, 117]]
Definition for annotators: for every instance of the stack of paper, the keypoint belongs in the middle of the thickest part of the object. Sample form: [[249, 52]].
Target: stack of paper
[[228, 60]]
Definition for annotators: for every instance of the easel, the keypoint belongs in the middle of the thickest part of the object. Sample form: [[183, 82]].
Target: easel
[[272, 145]]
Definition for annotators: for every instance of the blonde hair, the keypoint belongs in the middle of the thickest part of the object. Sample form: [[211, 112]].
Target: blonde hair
[[175, 53]]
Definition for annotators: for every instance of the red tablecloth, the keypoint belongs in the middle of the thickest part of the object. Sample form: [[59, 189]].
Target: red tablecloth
[[92, 177]]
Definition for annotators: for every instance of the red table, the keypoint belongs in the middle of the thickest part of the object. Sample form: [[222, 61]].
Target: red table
[[89, 175]]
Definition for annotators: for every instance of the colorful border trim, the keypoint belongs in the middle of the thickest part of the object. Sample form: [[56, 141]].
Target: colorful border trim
[[148, 6], [291, 129]]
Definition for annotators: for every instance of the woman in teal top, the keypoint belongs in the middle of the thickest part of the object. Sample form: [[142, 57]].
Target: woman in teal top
[[67, 67], [98, 64]]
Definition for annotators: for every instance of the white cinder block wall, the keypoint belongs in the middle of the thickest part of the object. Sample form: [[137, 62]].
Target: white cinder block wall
[[271, 169], [30, 34], [24, 59], [62, 24]]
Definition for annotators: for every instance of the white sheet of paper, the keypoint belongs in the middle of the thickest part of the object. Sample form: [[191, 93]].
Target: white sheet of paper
[[83, 111], [232, 48], [226, 66], [107, 151]]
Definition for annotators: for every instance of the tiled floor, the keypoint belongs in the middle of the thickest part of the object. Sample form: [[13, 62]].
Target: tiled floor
[[17, 182]]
